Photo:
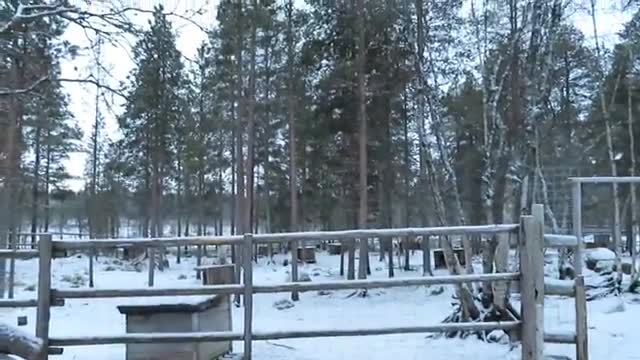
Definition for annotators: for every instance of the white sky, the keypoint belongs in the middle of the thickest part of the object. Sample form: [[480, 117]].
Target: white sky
[[118, 60]]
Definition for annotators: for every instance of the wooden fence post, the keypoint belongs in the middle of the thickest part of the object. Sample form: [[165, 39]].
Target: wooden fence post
[[582, 328], [91, 255], [12, 239], [44, 292], [576, 194], [532, 285], [151, 252], [248, 294]]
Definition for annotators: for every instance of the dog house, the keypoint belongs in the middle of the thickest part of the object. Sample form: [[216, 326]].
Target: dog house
[[175, 315]]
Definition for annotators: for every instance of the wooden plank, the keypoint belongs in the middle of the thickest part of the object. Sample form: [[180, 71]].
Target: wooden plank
[[146, 242], [91, 255], [439, 328], [576, 194], [181, 291], [532, 286], [555, 241], [582, 326], [146, 338], [559, 287], [557, 337], [605, 180], [151, 253], [24, 303], [18, 254], [384, 283], [248, 294], [43, 315], [382, 233]]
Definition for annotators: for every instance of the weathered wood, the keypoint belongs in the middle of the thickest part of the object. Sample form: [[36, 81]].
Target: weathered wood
[[557, 337], [24, 303], [91, 256], [384, 283], [582, 326], [383, 233], [12, 266], [532, 286], [555, 241], [147, 242], [307, 254], [151, 254], [43, 315], [217, 274], [605, 180], [559, 287], [16, 342], [248, 294], [146, 338], [181, 291], [18, 254], [439, 328], [576, 210]]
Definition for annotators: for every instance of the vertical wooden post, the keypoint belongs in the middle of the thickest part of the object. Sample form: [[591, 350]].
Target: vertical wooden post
[[44, 292], [295, 296], [198, 260], [91, 255], [576, 211], [151, 253], [582, 328], [532, 285], [248, 294], [13, 238]]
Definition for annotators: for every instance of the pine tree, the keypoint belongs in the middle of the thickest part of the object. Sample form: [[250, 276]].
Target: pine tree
[[152, 112]]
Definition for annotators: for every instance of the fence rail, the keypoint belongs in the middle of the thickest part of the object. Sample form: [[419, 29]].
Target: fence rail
[[530, 240]]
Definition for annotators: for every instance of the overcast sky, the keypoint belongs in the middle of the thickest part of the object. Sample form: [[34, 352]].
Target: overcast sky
[[118, 60]]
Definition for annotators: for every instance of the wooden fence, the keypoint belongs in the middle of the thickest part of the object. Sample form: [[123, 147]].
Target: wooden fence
[[530, 242]]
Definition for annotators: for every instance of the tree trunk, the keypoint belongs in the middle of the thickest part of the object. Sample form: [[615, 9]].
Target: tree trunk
[[36, 181], [362, 119], [610, 151], [635, 219], [293, 171]]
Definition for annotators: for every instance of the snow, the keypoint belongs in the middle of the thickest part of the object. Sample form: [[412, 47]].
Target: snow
[[600, 254], [612, 335]]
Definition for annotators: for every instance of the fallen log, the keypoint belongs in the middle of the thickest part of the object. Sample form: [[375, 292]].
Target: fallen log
[[17, 342]]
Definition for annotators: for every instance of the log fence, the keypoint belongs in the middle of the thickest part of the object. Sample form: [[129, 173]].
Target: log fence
[[528, 233]]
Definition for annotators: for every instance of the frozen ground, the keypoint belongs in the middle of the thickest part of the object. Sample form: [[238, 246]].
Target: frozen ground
[[613, 335]]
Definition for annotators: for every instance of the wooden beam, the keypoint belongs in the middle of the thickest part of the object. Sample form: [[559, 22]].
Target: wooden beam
[[18, 254], [247, 261], [382, 233], [559, 287], [145, 242], [182, 291], [606, 180], [555, 241], [532, 285], [385, 283], [557, 337], [576, 195], [43, 315], [24, 303], [582, 326], [439, 328], [146, 338]]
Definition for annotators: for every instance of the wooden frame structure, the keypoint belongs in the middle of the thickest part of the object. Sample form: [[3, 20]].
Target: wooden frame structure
[[530, 241]]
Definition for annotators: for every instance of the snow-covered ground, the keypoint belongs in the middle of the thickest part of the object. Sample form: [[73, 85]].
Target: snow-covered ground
[[613, 335]]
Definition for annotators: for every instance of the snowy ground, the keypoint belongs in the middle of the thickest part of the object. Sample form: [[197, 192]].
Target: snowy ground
[[612, 335]]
